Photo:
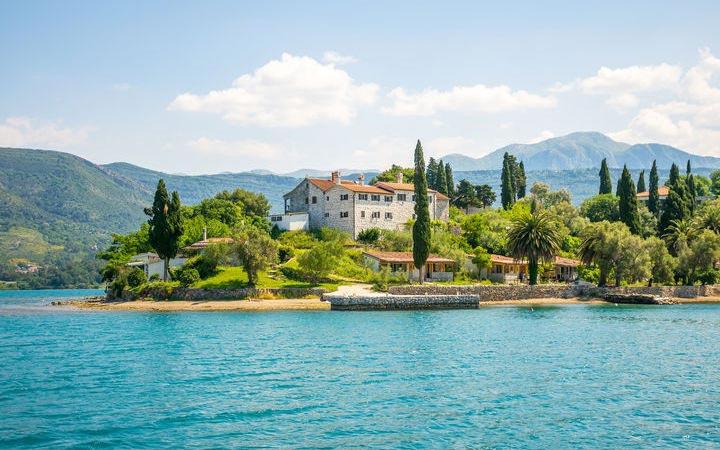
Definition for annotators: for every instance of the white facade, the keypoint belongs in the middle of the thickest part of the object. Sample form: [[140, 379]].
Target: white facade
[[292, 221], [151, 264]]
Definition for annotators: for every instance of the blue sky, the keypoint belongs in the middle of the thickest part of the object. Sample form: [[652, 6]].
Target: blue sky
[[205, 87]]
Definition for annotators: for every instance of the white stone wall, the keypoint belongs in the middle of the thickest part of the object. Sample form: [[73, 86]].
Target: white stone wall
[[290, 222]]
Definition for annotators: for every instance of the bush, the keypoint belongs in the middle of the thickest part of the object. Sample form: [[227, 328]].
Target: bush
[[118, 285], [154, 278], [187, 276], [297, 239], [136, 277], [285, 253], [709, 277], [369, 236]]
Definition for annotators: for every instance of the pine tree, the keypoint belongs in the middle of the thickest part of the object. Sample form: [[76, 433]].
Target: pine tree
[[628, 202], [641, 182], [506, 190], [421, 227], [450, 181], [432, 169], [440, 179], [165, 225], [521, 181], [654, 198], [605, 181]]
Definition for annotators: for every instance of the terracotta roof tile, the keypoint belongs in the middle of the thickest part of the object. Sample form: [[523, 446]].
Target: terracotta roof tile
[[407, 187], [405, 257], [662, 191], [506, 260], [559, 260]]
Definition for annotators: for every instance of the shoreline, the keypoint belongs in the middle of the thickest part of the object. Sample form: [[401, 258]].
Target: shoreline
[[314, 304]]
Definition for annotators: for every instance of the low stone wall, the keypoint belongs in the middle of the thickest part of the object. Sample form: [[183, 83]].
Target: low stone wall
[[180, 293], [399, 302], [491, 293], [657, 291]]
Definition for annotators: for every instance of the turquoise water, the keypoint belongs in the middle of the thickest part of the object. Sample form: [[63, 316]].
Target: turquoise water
[[578, 376]]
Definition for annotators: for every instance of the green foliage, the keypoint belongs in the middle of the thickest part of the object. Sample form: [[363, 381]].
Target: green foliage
[[605, 207], [715, 182], [641, 182], [369, 235], [297, 239], [482, 258], [187, 277], [507, 196], [421, 227], [154, 278], [698, 256], [450, 180], [165, 224], [605, 181], [663, 265], [118, 285], [285, 253], [318, 262], [326, 234], [395, 241], [654, 195], [535, 237], [255, 250], [441, 182], [136, 277], [468, 195], [627, 202], [487, 229], [390, 175]]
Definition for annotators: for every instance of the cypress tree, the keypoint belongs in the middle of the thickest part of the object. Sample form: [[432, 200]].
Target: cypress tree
[[450, 181], [641, 182], [676, 203], [654, 198], [165, 225], [421, 227], [605, 181], [440, 179], [692, 192], [522, 181], [432, 169], [628, 202], [506, 191], [674, 179], [688, 168]]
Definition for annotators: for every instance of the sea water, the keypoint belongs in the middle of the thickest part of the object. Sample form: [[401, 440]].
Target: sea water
[[574, 376]]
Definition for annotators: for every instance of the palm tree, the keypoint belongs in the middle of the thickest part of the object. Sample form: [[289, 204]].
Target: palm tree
[[533, 236], [680, 233]]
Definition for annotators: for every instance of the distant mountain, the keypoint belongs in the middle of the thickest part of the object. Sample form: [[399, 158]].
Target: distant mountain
[[348, 174], [582, 150]]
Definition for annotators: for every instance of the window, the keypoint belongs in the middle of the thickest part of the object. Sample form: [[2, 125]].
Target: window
[[388, 198], [343, 196], [276, 218], [375, 198], [362, 214], [327, 198], [314, 200], [306, 200], [429, 198], [376, 215], [344, 214], [413, 197], [362, 196], [402, 197], [327, 214], [388, 215]]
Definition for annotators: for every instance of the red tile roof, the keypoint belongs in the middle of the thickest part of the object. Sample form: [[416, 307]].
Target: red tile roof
[[506, 260], [404, 257], [202, 244], [663, 191], [560, 261], [406, 187]]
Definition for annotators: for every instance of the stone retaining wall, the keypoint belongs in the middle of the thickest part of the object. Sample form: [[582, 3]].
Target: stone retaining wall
[[180, 293], [395, 302], [490, 293]]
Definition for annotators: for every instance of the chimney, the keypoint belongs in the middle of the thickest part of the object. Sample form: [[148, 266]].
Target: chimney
[[204, 234], [399, 177], [361, 179], [336, 177]]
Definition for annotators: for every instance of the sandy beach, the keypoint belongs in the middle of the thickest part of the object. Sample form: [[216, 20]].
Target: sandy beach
[[312, 304]]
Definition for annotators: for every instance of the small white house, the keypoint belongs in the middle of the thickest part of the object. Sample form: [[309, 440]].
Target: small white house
[[291, 221], [402, 264], [151, 263]]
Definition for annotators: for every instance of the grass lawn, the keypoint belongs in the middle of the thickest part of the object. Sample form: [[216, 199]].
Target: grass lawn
[[236, 278]]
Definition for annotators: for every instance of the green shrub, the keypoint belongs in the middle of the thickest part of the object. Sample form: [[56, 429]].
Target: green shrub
[[285, 253], [709, 277], [154, 278], [187, 277], [118, 285], [297, 239], [136, 277], [369, 236]]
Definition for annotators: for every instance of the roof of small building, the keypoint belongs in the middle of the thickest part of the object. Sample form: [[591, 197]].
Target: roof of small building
[[560, 261], [364, 188], [406, 187], [663, 191], [381, 187], [506, 260], [202, 244], [404, 257]]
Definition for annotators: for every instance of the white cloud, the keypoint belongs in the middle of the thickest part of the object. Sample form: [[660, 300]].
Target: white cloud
[[294, 91], [691, 120], [623, 101], [26, 132], [543, 136], [631, 79], [243, 148], [478, 98], [338, 59]]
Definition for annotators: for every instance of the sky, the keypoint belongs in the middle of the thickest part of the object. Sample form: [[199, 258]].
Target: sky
[[215, 86]]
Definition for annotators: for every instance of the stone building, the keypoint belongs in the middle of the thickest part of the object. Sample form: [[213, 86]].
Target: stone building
[[353, 206]]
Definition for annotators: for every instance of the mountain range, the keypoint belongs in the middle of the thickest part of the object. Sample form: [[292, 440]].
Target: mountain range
[[582, 150]]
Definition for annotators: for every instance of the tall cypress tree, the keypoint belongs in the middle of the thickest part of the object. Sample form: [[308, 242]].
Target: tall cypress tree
[[165, 225], [654, 198], [440, 179], [432, 169], [628, 202], [506, 191], [688, 169], [450, 181], [421, 227], [605, 181], [641, 182], [521, 184], [692, 192], [676, 203], [674, 178]]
